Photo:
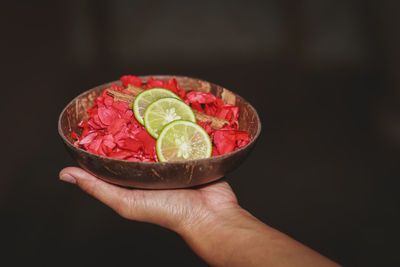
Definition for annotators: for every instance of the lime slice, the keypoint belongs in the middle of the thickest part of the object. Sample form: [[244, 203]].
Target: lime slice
[[183, 140], [145, 98], [163, 111]]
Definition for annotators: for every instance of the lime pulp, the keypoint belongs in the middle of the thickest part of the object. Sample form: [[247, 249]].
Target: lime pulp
[[183, 140], [145, 98], [163, 111]]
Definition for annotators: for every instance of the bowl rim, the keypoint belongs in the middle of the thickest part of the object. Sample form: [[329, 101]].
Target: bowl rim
[[219, 157]]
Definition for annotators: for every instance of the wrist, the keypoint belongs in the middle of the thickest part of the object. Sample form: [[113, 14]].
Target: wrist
[[210, 220], [233, 237], [215, 226], [215, 237]]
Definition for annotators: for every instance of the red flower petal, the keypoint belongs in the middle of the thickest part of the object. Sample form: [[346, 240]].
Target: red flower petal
[[134, 159], [96, 120], [200, 97], [171, 84], [85, 131], [106, 115], [151, 83], [93, 124], [225, 141], [196, 106], [74, 136], [206, 126], [108, 141], [95, 144], [108, 144], [123, 154], [88, 139], [210, 109], [122, 134], [128, 115], [228, 112], [214, 152], [121, 106], [108, 100], [149, 143], [242, 138], [116, 87], [131, 145], [131, 79], [116, 126], [82, 124]]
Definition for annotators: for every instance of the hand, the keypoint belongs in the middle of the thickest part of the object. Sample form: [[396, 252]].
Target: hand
[[208, 218], [177, 209]]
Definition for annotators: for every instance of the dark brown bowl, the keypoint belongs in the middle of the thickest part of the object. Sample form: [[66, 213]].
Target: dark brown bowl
[[156, 175]]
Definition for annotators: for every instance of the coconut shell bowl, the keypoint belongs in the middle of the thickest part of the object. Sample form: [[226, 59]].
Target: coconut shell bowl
[[159, 175]]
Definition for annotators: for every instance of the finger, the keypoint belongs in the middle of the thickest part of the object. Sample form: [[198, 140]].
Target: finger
[[111, 195]]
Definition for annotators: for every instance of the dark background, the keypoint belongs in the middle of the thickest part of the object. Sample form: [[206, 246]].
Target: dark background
[[323, 75]]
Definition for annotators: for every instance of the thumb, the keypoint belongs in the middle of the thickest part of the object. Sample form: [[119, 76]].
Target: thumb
[[113, 196]]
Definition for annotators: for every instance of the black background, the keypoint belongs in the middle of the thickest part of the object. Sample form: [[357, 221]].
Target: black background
[[323, 75]]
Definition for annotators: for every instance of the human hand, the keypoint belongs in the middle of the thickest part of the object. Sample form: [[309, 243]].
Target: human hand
[[177, 209], [208, 218]]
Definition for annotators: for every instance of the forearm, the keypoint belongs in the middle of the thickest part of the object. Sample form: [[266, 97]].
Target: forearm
[[236, 238]]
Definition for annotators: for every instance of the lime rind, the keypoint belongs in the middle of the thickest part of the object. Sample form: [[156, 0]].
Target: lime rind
[[163, 111], [145, 98], [179, 148]]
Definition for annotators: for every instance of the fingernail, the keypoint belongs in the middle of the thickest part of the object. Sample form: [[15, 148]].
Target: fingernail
[[67, 178]]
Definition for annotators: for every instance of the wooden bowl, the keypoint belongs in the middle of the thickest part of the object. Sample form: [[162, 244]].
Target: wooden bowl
[[157, 175]]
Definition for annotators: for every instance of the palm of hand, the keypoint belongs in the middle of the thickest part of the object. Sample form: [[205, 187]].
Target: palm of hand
[[169, 208], [177, 208]]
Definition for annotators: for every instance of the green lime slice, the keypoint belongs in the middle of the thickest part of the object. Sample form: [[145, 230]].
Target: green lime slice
[[183, 140], [163, 111], [145, 98]]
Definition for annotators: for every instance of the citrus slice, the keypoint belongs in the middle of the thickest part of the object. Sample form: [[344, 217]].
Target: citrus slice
[[163, 111], [183, 140], [145, 98]]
